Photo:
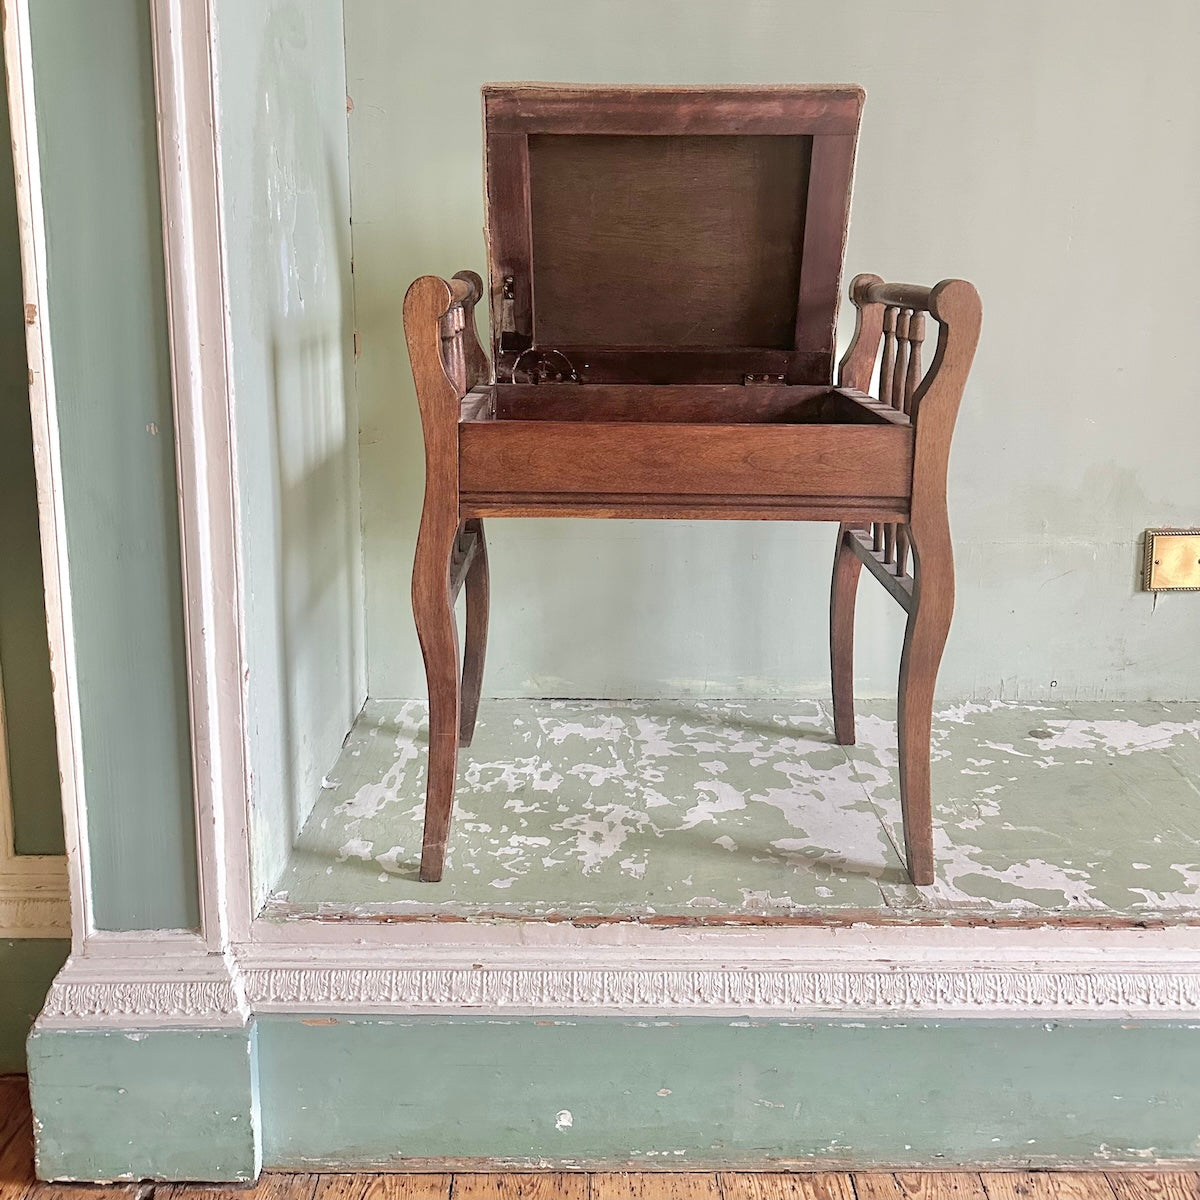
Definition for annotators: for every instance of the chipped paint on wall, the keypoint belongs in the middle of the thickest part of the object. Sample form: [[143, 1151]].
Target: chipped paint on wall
[[286, 194]]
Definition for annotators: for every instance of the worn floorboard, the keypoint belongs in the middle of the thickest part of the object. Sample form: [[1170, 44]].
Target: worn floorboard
[[716, 810], [1016, 1185], [919, 1185], [17, 1181], [748, 1185], [1157, 1185]]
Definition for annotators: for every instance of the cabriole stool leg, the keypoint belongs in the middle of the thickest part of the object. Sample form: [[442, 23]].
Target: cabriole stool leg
[[475, 647], [924, 639], [433, 608], [847, 567]]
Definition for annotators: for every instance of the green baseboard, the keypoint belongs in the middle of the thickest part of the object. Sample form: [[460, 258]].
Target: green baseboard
[[342, 1093], [700, 1092], [168, 1104]]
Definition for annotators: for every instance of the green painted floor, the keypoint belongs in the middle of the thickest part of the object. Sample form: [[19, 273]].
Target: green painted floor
[[704, 808]]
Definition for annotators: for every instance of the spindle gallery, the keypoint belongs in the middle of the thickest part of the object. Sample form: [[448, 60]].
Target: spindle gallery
[[664, 270]]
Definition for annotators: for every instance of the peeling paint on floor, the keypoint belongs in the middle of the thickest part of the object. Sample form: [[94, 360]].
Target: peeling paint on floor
[[703, 808]]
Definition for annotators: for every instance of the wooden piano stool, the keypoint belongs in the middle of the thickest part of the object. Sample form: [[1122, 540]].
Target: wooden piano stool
[[664, 271]]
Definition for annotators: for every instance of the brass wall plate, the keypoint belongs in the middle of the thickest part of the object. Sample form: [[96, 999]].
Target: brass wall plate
[[1172, 561]]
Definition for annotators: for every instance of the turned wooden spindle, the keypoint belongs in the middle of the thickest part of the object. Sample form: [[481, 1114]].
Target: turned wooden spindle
[[916, 335], [901, 549], [888, 365], [882, 534], [900, 370]]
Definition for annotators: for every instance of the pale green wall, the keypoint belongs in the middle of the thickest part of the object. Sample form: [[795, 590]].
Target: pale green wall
[[93, 92], [27, 968], [1049, 152], [351, 1092], [287, 224], [24, 654]]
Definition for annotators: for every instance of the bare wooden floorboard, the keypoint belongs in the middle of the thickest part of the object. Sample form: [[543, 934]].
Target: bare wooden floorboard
[[940, 1185], [1155, 1185], [648, 1185], [919, 1185], [1046, 1185], [524, 1185], [16, 1142], [87, 1191], [383, 1187], [14, 1106], [749, 1185], [271, 1185]]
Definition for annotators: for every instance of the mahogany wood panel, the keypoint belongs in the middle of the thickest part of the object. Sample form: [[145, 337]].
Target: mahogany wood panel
[[827, 216], [702, 460], [672, 241], [630, 218], [683, 508], [603, 109], [509, 238]]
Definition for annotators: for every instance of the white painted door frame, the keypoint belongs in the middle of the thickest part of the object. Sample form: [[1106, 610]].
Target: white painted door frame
[[34, 887], [240, 964]]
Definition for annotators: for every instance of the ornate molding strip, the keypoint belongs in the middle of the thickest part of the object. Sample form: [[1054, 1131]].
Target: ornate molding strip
[[146, 984], [199, 1002], [776, 992]]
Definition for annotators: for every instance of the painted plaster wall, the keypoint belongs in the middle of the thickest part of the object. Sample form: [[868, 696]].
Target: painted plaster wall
[[287, 223], [24, 653], [94, 97], [1049, 153], [27, 967]]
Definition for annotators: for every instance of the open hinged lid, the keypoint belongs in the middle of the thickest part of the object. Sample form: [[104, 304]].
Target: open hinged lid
[[667, 235]]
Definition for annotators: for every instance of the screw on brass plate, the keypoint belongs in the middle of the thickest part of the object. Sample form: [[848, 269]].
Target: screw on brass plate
[[1172, 560]]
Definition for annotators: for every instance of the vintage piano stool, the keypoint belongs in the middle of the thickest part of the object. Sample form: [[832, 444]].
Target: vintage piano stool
[[664, 267]]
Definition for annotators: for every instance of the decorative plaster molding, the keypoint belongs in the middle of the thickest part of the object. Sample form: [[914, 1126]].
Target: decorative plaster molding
[[34, 914], [144, 984], [192, 1000], [152, 983], [951, 991]]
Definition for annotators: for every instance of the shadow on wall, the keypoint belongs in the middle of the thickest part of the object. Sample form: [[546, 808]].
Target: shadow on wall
[[301, 235]]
